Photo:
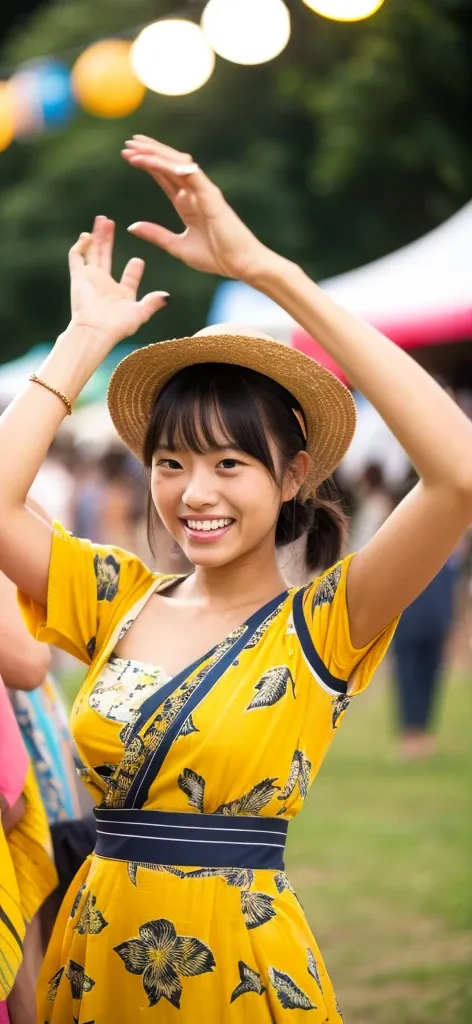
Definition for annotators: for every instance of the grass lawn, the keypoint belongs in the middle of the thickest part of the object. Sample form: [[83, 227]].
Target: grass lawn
[[381, 859]]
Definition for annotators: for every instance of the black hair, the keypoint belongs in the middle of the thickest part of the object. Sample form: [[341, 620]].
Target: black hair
[[244, 406]]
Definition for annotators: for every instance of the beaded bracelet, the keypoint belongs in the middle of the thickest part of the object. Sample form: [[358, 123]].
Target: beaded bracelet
[[44, 384]]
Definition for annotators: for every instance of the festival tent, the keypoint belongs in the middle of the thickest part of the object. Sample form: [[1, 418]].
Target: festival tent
[[420, 295]]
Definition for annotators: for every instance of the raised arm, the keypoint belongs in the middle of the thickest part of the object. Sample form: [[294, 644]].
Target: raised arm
[[103, 313], [417, 539]]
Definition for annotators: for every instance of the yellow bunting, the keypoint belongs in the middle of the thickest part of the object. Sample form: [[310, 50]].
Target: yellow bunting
[[7, 116], [104, 81], [344, 10]]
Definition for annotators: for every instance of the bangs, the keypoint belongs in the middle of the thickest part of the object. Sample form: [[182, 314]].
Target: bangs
[[210, 407]]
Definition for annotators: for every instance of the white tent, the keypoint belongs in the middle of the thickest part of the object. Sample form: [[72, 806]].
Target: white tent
[[419, 295]]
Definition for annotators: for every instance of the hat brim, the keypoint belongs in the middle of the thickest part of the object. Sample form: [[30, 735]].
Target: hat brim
[[328, 406]]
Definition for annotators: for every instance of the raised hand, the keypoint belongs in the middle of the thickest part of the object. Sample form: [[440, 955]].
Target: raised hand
[[98, 301], [215, 240]]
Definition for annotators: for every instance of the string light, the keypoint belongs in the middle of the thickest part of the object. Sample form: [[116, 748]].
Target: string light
[[247, 31], [172, 57], [344, 10]]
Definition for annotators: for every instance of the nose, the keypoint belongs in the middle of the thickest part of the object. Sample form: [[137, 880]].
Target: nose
[[200, 490]]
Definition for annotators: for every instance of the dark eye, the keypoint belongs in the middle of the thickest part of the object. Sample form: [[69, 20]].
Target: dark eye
[[229, 463], [169, 464]]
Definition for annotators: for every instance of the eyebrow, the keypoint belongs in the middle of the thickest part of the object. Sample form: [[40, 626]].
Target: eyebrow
[[214, 448]]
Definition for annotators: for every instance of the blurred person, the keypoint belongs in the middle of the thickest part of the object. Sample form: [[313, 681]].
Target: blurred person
[[211, 701], [116, 508], [374, 505], [87, 496], [419, 649], [54, 487]]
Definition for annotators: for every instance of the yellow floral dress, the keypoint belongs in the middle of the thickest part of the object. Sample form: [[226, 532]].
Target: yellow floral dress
[[239, 737]]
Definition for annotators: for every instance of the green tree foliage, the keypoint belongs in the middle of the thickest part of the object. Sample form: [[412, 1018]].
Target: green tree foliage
[[354, 142]]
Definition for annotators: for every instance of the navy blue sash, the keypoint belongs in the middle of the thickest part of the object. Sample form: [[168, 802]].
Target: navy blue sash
[[138, 792], [207, 840]]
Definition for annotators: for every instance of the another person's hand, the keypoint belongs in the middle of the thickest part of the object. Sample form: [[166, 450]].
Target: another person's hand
[[215, 240], [98, 302]]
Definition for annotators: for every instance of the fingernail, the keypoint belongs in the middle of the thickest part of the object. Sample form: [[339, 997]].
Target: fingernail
[[185, 169], [133, 227], [165, 297]]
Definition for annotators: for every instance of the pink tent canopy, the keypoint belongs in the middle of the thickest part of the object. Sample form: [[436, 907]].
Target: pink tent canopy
[[420, 295]]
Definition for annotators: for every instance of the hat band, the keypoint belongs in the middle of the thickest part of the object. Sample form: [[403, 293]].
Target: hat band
[[301, 422]]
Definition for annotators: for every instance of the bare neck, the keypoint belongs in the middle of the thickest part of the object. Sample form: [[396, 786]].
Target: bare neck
[[250, 581]]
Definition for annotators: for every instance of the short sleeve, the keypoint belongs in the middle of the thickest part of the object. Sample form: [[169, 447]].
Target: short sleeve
[[325, 637], [90, 587]]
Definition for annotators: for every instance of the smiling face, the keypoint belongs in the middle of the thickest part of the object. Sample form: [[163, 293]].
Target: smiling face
[[219, 473], [219, 506]]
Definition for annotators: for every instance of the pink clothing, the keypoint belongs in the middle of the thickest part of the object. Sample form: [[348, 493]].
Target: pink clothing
[[13, 757], [4, 1018]]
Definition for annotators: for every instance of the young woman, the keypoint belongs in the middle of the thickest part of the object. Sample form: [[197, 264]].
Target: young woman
[[211, 699]]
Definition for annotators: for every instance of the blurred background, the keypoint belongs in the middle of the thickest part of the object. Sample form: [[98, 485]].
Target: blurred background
[[340, 131]]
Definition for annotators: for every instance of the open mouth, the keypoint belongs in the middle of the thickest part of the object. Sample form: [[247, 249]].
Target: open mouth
[[206, 530]]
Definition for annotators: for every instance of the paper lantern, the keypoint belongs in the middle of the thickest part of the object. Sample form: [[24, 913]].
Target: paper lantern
[[247, 31], [173, 57], [104, 81], [7, 122], [344, 10], [56, 96], [43, 97]]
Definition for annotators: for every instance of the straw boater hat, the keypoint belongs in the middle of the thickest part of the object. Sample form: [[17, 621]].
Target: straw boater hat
[[328, 407]]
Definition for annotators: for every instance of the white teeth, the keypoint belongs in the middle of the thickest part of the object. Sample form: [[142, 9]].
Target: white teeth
[[208, 524]]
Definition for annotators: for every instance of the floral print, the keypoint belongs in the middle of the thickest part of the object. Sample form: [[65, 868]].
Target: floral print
[[253, 802], [123, 687], [79, 980], [289, 994], [162, 958], [272, 686], [312, 968], [91, 921], [325, 592], [54, 985], [300, 769], [194, 787], [257, 908], [107, 573], [250, 982], [339, 707]]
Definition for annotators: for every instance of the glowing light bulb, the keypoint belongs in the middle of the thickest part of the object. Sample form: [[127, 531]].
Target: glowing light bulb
[[344, 10], [247, 31], [172, 57]]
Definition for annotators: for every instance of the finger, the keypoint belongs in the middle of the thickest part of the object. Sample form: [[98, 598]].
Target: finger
[[156, 162], [77, 252], [159, 147], [191, 173], [106, 240], [163, 179], [157, 235], [151, 303], [93, 252], [132, 274]]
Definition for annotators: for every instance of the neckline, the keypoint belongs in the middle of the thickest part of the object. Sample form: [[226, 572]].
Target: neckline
[[142, 664], [258, 616]]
